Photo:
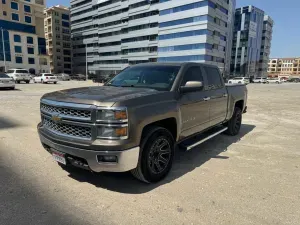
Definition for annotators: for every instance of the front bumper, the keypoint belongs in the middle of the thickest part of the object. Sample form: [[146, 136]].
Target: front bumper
[[126, 160]]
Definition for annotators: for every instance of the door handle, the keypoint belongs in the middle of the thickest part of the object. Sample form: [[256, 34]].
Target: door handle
[[206, 99], [225, 95]]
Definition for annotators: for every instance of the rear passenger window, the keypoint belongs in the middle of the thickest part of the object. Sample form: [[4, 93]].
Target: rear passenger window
[[192, 74], [213, 78]]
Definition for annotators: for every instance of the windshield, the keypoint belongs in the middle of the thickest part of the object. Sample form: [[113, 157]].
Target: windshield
[[155, 77], [48, 75], [2, 75], [238, 78]]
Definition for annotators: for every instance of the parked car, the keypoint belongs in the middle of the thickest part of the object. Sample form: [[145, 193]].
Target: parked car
[[78, 77], [262, 80], [294, 80], [274, 81], [103, 78], [63, 76], [6, 81], [239, 80], [134, 121], [19, 75], [45, 78]]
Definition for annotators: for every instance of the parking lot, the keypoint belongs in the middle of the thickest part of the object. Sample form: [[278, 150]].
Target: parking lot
[[253, 178]]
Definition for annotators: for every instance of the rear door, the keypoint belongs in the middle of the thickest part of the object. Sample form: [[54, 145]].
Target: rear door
[[218, 95], [193, 105]]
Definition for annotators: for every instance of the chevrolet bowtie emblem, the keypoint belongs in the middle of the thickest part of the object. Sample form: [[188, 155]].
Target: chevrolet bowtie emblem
[[56, 118]]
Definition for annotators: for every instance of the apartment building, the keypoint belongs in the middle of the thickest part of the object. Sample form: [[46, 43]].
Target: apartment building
[[110, 35], [251, 42], [23, 44], [58, 38], [284, 66]]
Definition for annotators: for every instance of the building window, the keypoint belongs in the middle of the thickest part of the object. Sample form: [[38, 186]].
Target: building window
[[58, 57], [57, 50], [14, 5], [29, 40], [4, 13], [17, 38], [27, 0], [27, 19], [31, 61], [65, 24], [18, 49], [65, 16], [30, 50], [3, 1], [19, 59], [27, 8], [15, 16]]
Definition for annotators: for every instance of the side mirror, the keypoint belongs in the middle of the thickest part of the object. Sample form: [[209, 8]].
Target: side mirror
[[191, 86]]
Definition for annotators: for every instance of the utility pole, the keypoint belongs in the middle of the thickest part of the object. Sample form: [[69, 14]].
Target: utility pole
[[3, 48], [86, 63]]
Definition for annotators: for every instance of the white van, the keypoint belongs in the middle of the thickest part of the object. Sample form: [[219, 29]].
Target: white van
[[19, 75]]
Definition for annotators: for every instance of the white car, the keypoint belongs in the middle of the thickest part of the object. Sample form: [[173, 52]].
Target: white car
[[19, 75], [261, 80], [45, 78], [274, 81], [63, 76], [239, 80], [6, 81]]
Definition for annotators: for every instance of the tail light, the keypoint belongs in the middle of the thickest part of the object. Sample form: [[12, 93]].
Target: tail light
[[46, 77]]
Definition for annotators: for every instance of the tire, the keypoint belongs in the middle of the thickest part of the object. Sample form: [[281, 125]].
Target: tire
[[12, 88], [18, 82], [150, 168], [42, 82], [267, 82], [55, 82], [34, 81], [27, 82], [277, 82], [234, 124]]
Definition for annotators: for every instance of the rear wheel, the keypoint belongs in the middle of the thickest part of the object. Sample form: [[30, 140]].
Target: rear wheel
[[235, 123], [12, 88], [17, 81], [27, 81], [55, 82], [156, 155], [42, 82]]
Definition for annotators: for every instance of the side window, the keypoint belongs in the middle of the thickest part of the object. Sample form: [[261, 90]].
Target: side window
[[213, 78], [192, 74]]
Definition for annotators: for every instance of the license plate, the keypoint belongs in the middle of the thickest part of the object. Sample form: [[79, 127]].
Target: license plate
[[59, 157], [52, 78], [5, 82]]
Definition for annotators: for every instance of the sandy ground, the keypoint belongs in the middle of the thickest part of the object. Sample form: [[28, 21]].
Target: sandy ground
[[250, 179]]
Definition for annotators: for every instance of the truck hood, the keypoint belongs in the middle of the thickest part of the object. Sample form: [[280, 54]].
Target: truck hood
[[100, 96]]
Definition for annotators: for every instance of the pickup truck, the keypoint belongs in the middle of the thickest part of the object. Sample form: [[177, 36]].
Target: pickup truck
[[135, 121]]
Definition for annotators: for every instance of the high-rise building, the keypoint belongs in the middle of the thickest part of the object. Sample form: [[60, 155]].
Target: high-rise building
[[23, 39], [265, 46], [58, 38], [251, 42], [114, 34]]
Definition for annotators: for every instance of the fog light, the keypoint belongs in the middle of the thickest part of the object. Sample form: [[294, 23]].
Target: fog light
[[107, 158]]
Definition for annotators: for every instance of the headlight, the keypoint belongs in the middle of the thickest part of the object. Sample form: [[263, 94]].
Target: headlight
[[112, 115], [117, 132]]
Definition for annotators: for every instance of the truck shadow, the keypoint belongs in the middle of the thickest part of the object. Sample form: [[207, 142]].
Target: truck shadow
[[184, 162], [6, 123]]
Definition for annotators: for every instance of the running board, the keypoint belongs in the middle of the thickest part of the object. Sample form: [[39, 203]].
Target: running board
[[204, 137]]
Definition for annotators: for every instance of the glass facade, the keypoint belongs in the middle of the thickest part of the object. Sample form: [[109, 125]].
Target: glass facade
[[42, 46], [8, 25], [6, 46], [185, 21], [185, 47], [187, 58], [185, 34]]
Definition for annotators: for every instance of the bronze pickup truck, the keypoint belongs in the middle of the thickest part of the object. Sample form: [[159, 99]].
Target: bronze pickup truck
[[135, 121]]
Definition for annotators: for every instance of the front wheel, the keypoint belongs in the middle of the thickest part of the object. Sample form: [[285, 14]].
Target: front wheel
[[55, 82], [27, 81], [156, 155], [235, 123]]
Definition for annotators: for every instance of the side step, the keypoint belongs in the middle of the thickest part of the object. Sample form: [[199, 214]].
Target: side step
[[200, 138]]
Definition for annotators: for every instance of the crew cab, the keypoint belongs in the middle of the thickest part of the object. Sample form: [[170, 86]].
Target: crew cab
[[19, 75], [135, 120], [45, 78]]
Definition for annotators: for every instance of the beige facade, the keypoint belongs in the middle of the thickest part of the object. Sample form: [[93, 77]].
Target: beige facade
[[58, 38], [284, 66], [24, 37]]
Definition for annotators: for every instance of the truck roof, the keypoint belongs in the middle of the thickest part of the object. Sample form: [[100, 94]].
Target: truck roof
[[170, 64]]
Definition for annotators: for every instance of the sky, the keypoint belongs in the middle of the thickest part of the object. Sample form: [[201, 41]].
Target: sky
[[285, 14]]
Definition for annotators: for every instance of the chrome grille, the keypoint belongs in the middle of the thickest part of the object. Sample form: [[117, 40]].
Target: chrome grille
[[69, 112], [67, 129]]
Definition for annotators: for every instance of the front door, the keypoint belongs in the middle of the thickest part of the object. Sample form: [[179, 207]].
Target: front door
[[194, 106]]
